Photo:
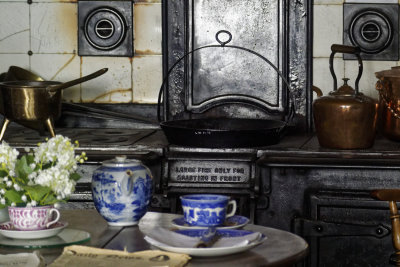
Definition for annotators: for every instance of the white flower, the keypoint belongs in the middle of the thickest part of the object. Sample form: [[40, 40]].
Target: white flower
[[16, 187], [59, 150], [32, 175], [57, 179], [8, 156], [53, 163]]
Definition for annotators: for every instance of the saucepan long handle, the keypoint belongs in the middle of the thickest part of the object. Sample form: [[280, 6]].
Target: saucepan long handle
[[55, 88]]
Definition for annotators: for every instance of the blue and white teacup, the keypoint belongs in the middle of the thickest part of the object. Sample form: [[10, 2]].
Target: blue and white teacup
[[206, 209]]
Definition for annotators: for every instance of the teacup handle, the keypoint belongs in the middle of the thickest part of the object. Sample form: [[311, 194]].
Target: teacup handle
[[233, 210], [56, 219]]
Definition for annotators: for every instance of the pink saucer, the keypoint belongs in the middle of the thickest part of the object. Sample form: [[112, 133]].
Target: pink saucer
[[7, 230]]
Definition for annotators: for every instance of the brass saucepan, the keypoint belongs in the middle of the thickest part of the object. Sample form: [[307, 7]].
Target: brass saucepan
[[35, 101]]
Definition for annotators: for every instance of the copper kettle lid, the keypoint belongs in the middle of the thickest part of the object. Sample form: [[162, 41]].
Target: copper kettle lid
[[394, 72], [344, 90]]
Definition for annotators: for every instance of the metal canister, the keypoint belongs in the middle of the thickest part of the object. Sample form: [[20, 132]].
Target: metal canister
[[388, 86]]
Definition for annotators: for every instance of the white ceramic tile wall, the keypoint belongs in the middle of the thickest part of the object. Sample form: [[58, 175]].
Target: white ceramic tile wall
[[14, 30], [146, 75], [47, 30], [148, 36], [59, 67], [53, 28], [115, 86]]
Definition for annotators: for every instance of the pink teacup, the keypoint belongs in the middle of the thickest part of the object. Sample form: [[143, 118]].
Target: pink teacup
[[33, 218]]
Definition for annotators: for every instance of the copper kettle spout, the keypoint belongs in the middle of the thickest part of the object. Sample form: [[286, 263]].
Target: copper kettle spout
[[317, 91]]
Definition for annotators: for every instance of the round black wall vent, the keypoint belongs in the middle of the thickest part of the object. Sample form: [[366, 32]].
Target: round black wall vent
[[371, 31], [374, 28], [104, 28]]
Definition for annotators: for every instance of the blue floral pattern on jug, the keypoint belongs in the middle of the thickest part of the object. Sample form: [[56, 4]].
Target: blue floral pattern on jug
[[122, 194]]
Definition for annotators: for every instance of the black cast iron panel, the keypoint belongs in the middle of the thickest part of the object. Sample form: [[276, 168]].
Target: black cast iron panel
[[278, 30], [327, 201]]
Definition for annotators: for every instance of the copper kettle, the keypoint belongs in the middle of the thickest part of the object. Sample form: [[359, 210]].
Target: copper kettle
[[346, 118]]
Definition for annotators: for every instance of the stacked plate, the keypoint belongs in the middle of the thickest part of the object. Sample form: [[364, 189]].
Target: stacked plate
[[226, 239]]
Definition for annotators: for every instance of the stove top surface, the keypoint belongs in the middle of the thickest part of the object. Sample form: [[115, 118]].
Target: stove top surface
[[88, 137]]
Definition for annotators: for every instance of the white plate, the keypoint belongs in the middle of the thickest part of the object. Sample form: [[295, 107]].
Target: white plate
[[206, 252], [233, 222], [7, 230]]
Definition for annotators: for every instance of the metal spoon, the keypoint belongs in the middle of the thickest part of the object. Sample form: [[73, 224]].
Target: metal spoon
[[208, 238]]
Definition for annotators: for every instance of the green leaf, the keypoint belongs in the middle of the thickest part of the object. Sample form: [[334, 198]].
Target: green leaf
[[2, 206], [75, 176], [50, 200], [30, 159], [22, 168], [37, 192], [13, 196], [3, 173]]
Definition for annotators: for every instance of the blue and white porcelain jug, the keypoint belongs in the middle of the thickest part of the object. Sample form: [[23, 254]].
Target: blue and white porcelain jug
[[122, 190]]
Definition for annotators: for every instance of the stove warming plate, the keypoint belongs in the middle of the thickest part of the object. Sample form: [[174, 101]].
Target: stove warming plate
[[87, 137]]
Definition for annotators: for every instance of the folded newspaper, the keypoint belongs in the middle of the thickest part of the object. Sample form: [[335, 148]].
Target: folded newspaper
[[83, 256], [33, 259]]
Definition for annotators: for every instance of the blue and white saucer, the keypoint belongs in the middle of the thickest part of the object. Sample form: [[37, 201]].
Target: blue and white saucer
[[229, 241], [233, 222]]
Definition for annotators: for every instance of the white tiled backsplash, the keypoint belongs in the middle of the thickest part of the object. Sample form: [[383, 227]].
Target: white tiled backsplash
[[48, 28]]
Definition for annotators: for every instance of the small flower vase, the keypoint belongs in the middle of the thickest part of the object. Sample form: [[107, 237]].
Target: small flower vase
[[122, 189]]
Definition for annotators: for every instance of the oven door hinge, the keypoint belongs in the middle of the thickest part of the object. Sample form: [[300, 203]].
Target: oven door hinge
[[311, 228]]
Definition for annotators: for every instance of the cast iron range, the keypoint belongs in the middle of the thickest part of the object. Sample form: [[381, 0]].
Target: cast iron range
[[226, 92], [206, 169]]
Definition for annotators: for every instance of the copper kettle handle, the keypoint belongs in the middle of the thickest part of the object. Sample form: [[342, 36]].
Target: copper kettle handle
[[346, 49]]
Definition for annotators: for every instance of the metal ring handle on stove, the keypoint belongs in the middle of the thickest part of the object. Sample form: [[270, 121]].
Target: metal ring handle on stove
[[224, 44]]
